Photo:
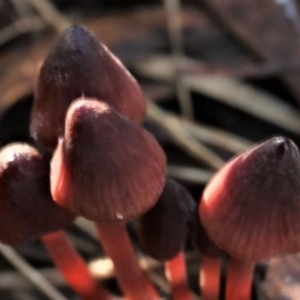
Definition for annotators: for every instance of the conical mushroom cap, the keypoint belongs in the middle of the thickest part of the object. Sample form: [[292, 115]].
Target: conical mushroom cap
[[164, 229], [106, 168], [251, 207], [27, 210], [79, 65], [202, 241]]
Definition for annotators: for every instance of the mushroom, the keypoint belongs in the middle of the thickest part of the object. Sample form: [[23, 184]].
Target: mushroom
[[211, 262], [109, 170], [27, 212], [79, 65], [250, 208], [163, 232]]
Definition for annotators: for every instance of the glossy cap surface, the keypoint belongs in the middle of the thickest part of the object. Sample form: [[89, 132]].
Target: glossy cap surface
[[251, 207]]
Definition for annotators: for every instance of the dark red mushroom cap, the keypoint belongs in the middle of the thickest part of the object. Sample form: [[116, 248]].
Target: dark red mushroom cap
[[106, 167], [164, 229], [27, 210], [251, 207], [79, 65], [202, 241]]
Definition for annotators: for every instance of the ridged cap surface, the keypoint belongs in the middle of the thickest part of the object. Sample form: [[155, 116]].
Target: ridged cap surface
[[251, 207], [106, 168]]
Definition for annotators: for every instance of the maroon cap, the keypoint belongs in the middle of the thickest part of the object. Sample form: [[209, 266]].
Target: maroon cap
[[251, 206], [106, 167], [164, 229], [27, 210], [202, 241], [79, 65]]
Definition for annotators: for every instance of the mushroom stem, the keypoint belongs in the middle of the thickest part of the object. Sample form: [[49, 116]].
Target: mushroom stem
[[116, 243], [73, 267], [239, 280], [210, 277], [177, 277]]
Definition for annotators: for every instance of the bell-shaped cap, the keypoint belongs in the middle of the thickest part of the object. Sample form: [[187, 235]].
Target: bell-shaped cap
[[251, 207], [27, 210], [79, 65], [202, 242], [164, 229], [106, 167]]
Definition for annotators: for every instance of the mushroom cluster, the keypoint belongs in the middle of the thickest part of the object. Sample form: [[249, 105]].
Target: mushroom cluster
[[94, 159], [105, 166]]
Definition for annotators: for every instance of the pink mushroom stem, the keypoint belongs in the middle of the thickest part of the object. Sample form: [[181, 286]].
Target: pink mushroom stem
[[133, 281], [210, 277], [177, 277], [239, 280], [73, 267]]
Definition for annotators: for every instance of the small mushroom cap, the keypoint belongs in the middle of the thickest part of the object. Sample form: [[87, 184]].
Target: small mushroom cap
[[79, 65], [251, 207], [27, 210], [106, 167], [164, 229], [202, 241]]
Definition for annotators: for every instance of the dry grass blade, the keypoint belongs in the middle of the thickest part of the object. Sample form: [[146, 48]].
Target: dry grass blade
[[173, 12], [88, 227], [159, 280], [172, 126], [185, 100], [217, 137], [31, 274], [227, 90], [189, 174], [160, 67], [22, 8], [101, 268], [50, 14], [248, 99], [82, 244], [235, 29], [25, 25]]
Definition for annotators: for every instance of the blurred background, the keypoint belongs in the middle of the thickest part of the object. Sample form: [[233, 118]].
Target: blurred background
[[218, 76]]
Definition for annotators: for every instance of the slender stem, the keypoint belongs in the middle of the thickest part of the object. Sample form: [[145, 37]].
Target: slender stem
[[239, 280], [210, 271], [72, 267], [133, 281], [177, 276]]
